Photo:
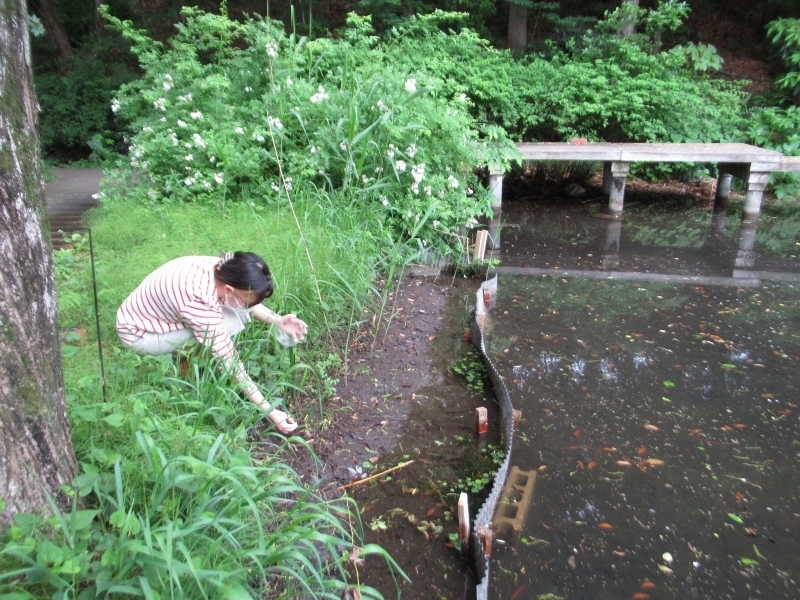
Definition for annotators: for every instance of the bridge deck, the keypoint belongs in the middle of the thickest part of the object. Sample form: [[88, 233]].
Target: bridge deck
[[750, 163], [655, 152]]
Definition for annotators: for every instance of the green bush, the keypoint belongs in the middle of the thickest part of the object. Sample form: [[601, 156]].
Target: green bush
[[233, 111]]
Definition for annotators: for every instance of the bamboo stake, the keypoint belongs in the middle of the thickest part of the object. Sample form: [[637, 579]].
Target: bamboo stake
[[381, 474]]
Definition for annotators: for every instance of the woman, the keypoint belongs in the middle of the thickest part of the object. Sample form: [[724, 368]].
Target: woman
[[210, 300]]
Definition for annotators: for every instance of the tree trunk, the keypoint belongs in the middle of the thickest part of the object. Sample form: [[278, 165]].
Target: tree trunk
[[36, 455], [517, 27], [628, 27], [53, 29], [99, 23]]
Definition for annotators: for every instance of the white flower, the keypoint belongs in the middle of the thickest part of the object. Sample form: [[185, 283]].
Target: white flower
[[163, 119], [160, 104], [272, 50], [462, 98], [188, 157], [212, 159], [313, 150], [472, 221], [247, 88], [452, 182], [319, 96], [115, 105], [188, 181], [287, 183], [384, 200], [343, 145], [364, 179], [411, 150], [168, 77], [186, 98], [206, 184], [173, 138], [415, 188], [275, 187], [289, 81], [382, 106], [147, 129], [418, 172], [274, 122], [181, 123], [428, 190], [379, 169], [411, 85], [441, 193], [390, 153], [167, 86], [436, 223], [218, 178], [239, 130], [198, 140], [196, 115], [400, 165], [258, 137], [187, 145], [152, 194]]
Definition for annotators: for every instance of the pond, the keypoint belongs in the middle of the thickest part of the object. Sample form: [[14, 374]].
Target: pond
[[655, 362]]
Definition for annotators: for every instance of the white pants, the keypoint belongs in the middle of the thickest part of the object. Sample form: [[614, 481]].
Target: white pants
[[234, 321]]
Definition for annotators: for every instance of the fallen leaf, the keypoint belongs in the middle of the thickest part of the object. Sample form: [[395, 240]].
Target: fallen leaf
[[606, 526], [353, 558], [640, 596], [430, 512], [655, 462], [641, 450], [648, 586], [624, 463], [650, 427]]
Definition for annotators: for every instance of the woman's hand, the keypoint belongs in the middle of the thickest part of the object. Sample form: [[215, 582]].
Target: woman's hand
[[293, 326], [282, 421]]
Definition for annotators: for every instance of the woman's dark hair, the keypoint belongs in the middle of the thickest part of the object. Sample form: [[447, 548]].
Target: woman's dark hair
[[246, 271]]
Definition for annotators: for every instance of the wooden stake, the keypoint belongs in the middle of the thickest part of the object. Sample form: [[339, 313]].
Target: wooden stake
[[483, 419], [463, 521], [371, 477]]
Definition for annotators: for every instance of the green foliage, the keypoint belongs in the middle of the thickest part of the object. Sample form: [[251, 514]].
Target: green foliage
[[241, 111], [778, 129], [703, 57], [785, 35], [473, 369]]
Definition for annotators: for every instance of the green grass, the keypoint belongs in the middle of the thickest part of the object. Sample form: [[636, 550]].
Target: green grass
[[174, 497]]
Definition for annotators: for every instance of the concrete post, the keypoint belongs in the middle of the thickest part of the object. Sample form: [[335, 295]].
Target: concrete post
[[756, 184], [606, 178], [745, 257], [723, 190], [496, 188], [611, 249], [616, 197]]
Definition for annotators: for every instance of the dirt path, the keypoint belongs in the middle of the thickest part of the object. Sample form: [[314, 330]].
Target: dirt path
[[69, 195]]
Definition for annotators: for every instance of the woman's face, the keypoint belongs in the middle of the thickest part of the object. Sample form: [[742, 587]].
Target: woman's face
[[239, 298]]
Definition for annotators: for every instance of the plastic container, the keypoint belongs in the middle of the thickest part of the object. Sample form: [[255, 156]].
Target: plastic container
[[285, 340]]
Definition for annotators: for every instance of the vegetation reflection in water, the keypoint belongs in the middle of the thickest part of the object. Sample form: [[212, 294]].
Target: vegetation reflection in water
[[662, 421]]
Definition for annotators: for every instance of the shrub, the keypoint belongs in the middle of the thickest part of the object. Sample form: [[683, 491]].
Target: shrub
[[241, 111]]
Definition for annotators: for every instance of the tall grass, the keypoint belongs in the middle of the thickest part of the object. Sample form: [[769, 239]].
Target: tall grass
[[175, 497]]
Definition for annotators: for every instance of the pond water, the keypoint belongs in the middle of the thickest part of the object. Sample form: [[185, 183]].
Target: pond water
[[655, 361]]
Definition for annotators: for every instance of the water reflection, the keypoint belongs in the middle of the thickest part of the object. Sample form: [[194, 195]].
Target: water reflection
[[657, 371]]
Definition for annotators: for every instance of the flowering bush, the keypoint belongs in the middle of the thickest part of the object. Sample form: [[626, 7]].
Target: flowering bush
[[241, 111]]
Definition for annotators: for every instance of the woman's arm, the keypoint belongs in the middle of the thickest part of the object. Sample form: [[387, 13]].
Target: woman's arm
[[288, 323]]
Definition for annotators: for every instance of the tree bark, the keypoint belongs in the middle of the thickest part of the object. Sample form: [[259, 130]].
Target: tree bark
[[99, 23], [517, 27], [628, 27], [53, 29], [36, 455]]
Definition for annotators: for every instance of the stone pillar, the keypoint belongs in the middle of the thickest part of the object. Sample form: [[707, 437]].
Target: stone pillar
[[606, 179], [611, 249], [723, 190], [745, 256], [756, 183], [496, 187], [619, 171]]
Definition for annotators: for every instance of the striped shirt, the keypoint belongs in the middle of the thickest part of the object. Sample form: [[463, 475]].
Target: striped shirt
[[182, 294]]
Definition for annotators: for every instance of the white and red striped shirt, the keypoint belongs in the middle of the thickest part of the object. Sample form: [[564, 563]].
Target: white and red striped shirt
[[181, 294]]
